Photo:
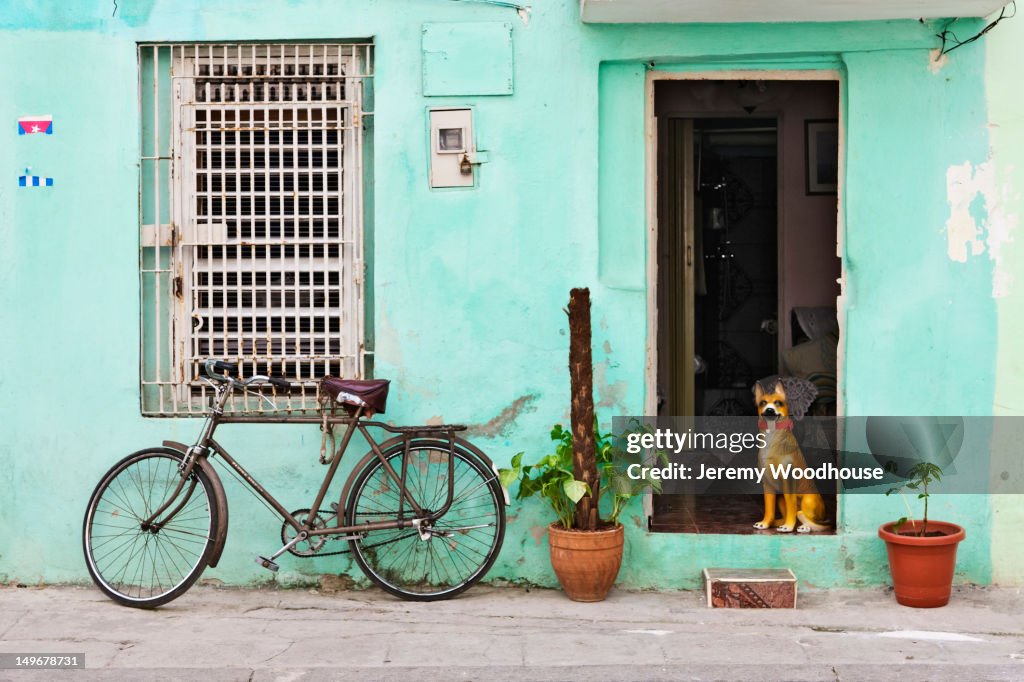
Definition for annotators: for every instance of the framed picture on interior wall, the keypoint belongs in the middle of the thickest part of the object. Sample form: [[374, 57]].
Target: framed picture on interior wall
[[821, 138]]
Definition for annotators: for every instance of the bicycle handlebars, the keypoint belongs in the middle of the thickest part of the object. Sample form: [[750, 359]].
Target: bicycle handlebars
[[279, 382], [221, 366], [213, 369]]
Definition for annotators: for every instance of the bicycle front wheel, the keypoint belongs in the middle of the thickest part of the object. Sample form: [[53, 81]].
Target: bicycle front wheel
[[454, 551], [142, 566]]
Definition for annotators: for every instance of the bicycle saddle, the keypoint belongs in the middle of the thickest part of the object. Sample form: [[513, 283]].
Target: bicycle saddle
[[371, 394]]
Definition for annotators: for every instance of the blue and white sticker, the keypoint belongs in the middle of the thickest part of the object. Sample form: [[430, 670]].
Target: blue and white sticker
[[29, 180]]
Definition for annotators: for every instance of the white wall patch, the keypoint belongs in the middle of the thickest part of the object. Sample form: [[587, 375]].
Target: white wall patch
[[969, 236]]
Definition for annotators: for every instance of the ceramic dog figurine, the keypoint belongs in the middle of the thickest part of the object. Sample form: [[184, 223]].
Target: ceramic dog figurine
[[799, 500]]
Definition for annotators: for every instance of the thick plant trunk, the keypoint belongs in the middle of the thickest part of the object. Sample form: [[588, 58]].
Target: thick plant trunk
[[581, 377]]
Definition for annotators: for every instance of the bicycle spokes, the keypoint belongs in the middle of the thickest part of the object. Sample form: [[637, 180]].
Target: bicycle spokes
[[141, 563], [438, 556]]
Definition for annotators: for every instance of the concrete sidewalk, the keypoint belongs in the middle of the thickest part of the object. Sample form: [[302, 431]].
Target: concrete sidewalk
[[512, 634]]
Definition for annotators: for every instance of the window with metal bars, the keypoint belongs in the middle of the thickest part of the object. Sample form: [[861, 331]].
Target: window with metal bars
[[251, 220]]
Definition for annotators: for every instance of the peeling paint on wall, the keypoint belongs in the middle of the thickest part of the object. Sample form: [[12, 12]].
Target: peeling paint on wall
[[963, 184], [538, 533], [609, 394], [936, 60], [968, 188], [499, 425]]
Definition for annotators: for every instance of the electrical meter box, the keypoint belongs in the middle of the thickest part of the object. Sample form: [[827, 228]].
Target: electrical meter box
[[452, 153]]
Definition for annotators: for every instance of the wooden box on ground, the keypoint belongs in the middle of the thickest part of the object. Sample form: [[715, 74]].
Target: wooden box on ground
[[750, 588]]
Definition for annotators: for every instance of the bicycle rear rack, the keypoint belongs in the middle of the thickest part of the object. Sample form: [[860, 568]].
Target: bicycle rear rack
[[413, 431]]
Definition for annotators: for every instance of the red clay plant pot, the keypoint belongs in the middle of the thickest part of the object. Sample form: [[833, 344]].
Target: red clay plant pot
[[922, 567], [586, 561]]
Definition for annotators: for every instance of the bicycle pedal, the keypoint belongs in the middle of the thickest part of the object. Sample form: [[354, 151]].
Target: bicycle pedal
[[267, 563]]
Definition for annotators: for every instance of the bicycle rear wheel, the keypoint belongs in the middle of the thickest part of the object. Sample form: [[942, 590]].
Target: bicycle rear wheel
[[461, 546], [147, 567]]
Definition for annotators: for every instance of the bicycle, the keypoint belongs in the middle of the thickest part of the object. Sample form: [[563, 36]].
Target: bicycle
[[423, 511]]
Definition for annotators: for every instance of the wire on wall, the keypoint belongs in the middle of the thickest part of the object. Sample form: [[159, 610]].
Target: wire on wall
[[499, 3], [948, 37], [522, 10]]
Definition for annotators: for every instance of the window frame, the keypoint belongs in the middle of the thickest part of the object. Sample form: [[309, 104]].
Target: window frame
[[172, 237]]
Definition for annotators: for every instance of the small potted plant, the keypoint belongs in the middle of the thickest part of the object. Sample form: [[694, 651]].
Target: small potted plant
[[586, 551], [922, 554]]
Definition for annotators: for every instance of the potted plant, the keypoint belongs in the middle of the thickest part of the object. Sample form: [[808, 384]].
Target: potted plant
[[586, 562], [922, 554], [586, 551]]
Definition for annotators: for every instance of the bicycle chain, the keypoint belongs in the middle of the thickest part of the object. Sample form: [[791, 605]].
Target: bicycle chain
[[346, 551]]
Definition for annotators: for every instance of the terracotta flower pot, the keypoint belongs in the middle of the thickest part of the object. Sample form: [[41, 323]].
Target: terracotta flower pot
[[586, 562], [922, 567]]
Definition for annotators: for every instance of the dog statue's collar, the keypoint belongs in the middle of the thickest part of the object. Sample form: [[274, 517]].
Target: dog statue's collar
[[784, 424]]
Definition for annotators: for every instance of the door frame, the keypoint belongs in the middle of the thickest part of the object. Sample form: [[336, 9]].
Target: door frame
[[651, 200]]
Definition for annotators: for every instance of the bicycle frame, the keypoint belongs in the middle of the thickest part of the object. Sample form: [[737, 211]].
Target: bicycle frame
[[206, 446]]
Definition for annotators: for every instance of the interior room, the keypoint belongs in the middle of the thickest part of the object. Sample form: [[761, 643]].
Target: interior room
[[748, 174]]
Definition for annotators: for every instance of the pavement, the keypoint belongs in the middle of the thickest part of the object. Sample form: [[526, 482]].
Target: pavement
[[509, 633]]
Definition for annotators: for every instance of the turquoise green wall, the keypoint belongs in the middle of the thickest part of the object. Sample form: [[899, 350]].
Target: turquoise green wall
[[468, 286]]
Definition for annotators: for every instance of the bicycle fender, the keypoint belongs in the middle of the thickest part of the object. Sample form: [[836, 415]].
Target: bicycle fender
[[221, 500], [441, 442]]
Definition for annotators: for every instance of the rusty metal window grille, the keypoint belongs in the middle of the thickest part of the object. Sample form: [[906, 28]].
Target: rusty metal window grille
[[251, 218]]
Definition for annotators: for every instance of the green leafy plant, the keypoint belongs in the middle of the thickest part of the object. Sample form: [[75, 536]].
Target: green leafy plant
[[919, 477], [552, 476]]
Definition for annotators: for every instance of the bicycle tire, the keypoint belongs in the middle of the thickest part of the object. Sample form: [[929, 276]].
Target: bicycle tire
[[142, 568], [398, 560]]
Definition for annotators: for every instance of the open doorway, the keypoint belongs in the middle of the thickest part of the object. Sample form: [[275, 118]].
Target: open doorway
[[746, 259]]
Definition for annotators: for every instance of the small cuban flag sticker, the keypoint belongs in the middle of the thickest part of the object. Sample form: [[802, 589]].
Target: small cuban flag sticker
[[29, 180], [28, 125]]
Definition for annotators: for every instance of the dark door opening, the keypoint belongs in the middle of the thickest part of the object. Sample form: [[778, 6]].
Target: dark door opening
[[746, 255]]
